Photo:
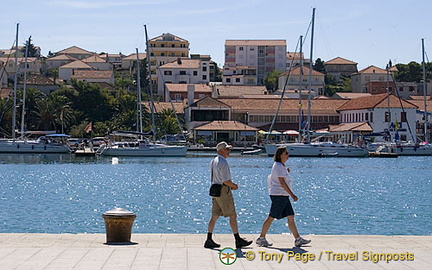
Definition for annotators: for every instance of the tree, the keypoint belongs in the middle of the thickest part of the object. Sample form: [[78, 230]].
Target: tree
[[168, 122], [319, 66], [218, 74], [409, 73], [271, 80], [32, 51]]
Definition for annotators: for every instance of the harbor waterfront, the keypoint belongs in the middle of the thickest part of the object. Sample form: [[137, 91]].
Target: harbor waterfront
[[49, 193]]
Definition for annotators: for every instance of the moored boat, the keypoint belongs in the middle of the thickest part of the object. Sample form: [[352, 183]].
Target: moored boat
[[318, 149]]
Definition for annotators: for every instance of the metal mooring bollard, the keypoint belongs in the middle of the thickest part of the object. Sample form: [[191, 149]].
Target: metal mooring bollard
[[118, 225]]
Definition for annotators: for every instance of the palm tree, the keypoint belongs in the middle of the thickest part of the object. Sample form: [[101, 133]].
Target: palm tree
[[52, 111]]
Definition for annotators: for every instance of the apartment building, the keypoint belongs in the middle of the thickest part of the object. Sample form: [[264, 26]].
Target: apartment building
[[247, 62], [164, 49], [182, 71]]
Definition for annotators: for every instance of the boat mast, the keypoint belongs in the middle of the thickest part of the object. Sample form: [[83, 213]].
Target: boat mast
[[300, 89], [14, 110], [310, 76], [388, 99], [139, 122], [24, 89], [150, 85], [426, 139]]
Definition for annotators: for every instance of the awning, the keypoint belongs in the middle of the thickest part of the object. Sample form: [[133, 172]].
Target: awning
[[291, 132], [274, 132]]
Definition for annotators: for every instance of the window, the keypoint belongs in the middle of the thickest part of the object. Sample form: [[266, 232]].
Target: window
[[237, 79], [162, 54], [403, 117], [162, 45], [195, 73], [204, 68], [182, 72], [387, 117], [371, 116], [401, 89], [173, 45], [228, 80], [240, 48], [178, 97], [366, 116], [204, 77], [167, 72]]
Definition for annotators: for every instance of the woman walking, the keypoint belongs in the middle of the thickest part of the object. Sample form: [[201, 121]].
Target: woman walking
[[280, 189]]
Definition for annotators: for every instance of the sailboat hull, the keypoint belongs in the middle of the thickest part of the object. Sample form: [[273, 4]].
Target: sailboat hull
[[150, 150], [32, 147], [403, 149], [318, 150]]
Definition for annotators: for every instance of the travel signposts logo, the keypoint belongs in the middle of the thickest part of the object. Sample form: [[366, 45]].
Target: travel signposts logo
[[227, 256]]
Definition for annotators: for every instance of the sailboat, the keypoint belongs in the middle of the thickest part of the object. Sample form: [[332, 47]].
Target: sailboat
[[314, 149], [142, 147], [51, 143], [412, 148]]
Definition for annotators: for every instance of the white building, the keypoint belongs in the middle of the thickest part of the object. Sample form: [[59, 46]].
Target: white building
[[374, 110], [182, 71]]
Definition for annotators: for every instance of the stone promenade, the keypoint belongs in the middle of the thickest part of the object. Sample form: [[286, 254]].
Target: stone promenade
[[185, 251]]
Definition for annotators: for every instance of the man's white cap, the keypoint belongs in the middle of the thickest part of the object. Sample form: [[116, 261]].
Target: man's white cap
[[223, 145]]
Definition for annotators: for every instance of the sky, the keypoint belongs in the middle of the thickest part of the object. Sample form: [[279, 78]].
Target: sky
[[368, 32]]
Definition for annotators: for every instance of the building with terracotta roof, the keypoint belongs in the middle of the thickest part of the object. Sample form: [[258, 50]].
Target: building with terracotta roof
[[293, 60], [249, 61], [299, 78], [164, 49], [59, 60], [382, 114], [33, 66], [75, 52], [338, 67], [95, 76], [66, 71], [129, 61], [40, 83], [98, 62], [259, 112], [234, 132], [182, 71], [114, 59], [181, 92], [372, 80], [238, 91]]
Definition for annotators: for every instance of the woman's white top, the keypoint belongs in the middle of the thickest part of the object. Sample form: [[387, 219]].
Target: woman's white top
[[274, 186]]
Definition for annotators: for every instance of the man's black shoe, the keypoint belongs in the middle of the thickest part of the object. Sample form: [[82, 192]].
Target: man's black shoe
[[211, 244], [242, 243]]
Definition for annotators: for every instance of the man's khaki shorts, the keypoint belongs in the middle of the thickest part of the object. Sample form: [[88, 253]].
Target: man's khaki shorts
[[224, 205]]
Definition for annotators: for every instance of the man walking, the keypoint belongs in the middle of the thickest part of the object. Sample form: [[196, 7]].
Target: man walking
[[223, 205]]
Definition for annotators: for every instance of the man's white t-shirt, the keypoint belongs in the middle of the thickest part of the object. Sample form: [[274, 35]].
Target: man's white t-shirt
[[274, 186], [220, 169]]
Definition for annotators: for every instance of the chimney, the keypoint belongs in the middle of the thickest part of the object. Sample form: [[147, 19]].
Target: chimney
[[190, 93], [179, 61]]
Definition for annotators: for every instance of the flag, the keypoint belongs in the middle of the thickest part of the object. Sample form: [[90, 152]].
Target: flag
[[396, 124], [88, 128], [304, 123]]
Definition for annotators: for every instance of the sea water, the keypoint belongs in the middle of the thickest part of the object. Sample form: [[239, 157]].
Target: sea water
[[67, 194]]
